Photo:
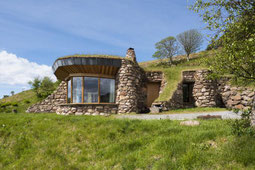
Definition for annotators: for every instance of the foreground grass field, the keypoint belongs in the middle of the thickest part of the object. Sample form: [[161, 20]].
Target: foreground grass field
[[50, 141]]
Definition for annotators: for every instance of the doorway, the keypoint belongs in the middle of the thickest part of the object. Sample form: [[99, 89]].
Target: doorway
[[188, 99], [152, 92]]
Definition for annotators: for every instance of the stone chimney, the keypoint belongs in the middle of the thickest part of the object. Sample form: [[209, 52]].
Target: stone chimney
[[131, 54]]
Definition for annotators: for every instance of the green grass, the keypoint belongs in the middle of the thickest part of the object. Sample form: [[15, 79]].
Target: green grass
[[23, 99], [49, 141], [173, 74], [194, 110]]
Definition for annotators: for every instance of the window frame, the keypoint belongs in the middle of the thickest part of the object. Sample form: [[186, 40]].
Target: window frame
[[70, 78]]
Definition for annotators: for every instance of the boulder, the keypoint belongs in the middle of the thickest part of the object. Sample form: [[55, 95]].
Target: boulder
[[154, 109], [190, 123]]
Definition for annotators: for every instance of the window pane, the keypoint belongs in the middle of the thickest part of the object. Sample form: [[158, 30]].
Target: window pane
[[77, 89], [69, 91], [107, 90], [90, 90]]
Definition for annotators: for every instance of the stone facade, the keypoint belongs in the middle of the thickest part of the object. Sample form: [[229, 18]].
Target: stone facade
[[205, 91], [131, 94], [81, 109], [236, 97]]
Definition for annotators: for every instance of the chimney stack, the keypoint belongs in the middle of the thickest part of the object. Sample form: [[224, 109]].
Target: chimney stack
[[131, 54]]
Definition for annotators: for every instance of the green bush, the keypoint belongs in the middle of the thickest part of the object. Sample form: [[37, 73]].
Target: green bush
[[43, 87], [243, 126], [27, 101], [15, 104], [4, 105]]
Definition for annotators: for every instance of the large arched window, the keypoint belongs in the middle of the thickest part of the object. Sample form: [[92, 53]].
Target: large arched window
[[90, 90]]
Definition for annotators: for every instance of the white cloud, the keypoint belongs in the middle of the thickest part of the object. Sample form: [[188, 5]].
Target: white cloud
[[18, 71]]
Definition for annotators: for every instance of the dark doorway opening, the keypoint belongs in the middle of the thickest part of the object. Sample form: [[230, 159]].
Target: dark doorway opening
[[188, 99]]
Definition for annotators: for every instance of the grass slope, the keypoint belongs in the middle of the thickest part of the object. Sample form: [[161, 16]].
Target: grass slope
[[173, 74], [23, 99], [46, 141]]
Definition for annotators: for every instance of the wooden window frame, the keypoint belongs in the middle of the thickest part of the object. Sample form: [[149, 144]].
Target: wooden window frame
[[83, 88]]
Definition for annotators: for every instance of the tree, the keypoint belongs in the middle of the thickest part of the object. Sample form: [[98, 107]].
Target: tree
[[35, 84], [12, 93], [43, 87], [166, 48], [234, 22], [191, 41]]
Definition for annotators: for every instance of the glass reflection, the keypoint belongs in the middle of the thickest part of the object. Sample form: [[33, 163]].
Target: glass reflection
[[90, 90], [77, 89], [107, 89], [69, 91]]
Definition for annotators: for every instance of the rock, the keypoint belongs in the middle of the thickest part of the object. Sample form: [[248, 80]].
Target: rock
[[206, 117], [154, 110], [251, 94], [78, 113], [190, 123], [240, 106], [237, 97]]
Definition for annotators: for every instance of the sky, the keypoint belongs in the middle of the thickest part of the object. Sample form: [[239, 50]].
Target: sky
[[33, 34]]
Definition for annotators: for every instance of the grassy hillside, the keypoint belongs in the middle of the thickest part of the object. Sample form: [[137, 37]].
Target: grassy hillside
[[173, 73], [23, 100], [20, 101], [46, 141]]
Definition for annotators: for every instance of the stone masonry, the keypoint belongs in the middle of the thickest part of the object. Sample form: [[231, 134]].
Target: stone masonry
[[205, 90]]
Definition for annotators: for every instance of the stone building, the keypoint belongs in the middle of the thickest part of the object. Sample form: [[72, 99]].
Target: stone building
[[101, 85]]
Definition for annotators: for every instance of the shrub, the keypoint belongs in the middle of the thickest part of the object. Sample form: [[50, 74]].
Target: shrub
[[27, 101], [243, 126], [43, 87], [15, 104]]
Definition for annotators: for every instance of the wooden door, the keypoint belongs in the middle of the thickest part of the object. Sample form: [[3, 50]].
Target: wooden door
[[152, 92]]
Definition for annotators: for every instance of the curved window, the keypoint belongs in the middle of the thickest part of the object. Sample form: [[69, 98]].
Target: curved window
[[90, 90]]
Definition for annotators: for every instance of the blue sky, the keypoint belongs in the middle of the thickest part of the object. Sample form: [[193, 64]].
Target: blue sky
[[41, 31]]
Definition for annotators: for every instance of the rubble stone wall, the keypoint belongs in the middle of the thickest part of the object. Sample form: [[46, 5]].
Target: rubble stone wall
[[205, 91], [51, 103], [83, 109], [131, 92]]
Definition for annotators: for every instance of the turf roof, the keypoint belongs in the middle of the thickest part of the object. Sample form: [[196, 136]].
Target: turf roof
[[93, 56]]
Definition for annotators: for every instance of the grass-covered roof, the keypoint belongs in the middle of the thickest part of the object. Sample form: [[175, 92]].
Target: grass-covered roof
[[93, 56]]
